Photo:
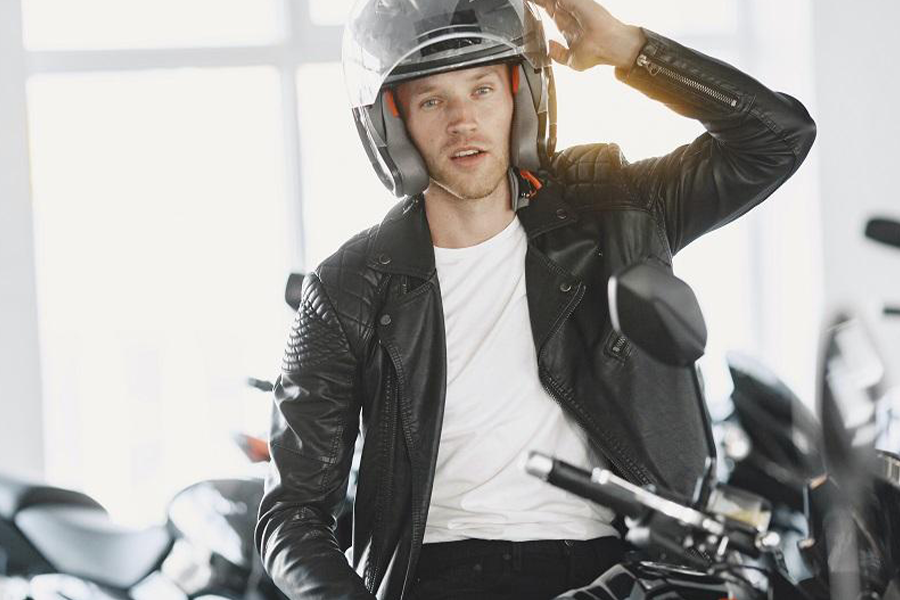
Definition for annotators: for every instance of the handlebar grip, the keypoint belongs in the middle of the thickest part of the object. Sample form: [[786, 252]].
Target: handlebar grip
[[579, 482]]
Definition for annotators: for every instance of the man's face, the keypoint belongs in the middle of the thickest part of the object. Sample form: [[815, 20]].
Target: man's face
[[451, 115]]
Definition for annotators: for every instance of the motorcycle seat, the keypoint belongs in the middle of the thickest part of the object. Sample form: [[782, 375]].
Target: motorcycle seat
[[17, 494], [82, 541]]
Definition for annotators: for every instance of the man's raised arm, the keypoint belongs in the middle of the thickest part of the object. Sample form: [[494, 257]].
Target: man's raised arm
[[755, 138]]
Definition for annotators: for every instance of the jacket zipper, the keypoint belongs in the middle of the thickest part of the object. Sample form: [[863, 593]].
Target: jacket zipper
[[655, 68], [626, 469], [384, 494], [395, 360]]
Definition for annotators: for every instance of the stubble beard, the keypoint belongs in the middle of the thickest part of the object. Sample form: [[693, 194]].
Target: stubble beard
[[468, 188]]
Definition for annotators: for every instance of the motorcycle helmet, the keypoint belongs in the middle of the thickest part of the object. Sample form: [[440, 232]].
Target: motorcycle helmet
[[387, 42]]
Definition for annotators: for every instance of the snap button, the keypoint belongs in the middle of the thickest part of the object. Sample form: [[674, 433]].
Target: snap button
[[384, 259], [565, 288], [385, 319], [561, 214], [507, 556]]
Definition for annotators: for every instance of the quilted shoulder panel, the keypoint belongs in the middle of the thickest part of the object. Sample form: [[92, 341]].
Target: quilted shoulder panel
[[596, 175], [316, 335], [589, 163], [353, 287]]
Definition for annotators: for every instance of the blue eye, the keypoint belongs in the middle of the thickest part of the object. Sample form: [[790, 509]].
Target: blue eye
[[430, 103]]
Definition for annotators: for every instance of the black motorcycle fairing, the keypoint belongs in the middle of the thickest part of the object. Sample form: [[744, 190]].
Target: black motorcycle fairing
[[784, 434]]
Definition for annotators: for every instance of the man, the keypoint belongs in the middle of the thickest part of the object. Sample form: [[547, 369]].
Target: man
[[472, 324]]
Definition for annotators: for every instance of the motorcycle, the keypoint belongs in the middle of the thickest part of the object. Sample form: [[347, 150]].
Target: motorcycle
[[59, 543], [721, 545]]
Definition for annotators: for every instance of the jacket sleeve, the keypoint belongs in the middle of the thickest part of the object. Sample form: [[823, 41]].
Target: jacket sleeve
[[314, 426], [755, 139]]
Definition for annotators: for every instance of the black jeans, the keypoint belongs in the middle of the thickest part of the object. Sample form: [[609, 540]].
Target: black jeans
[[499, 570]]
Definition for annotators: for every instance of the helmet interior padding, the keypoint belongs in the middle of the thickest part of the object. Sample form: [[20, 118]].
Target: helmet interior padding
[[407, 174]]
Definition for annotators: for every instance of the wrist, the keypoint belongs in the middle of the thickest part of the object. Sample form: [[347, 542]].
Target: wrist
[[628, 46]]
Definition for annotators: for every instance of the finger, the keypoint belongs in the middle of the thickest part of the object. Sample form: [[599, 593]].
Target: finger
[[565, 20], [559, 53]]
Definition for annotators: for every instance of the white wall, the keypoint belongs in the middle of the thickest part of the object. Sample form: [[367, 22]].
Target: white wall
[[859, 131], [21, 427], [788, 243]]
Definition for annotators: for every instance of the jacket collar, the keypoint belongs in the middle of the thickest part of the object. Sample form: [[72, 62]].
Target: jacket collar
[[403, 242]]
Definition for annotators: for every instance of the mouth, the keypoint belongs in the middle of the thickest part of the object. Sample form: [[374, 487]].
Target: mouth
[[467, 156]]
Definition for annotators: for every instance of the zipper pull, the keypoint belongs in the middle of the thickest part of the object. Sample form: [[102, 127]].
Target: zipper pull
[[643, 61]]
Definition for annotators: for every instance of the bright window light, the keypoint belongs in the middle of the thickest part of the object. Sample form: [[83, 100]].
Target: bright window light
[[161, 238], [341, 193], [99, 24], [329, 12], [687, 17]]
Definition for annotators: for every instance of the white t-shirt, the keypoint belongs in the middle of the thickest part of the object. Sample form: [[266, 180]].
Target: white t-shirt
[[497, 410]]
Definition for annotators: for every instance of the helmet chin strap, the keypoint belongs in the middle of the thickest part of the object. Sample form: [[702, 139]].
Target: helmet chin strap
[[517, 200], [442, 186]]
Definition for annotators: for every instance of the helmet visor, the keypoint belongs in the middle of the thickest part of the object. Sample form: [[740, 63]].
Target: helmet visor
[[388, 41]]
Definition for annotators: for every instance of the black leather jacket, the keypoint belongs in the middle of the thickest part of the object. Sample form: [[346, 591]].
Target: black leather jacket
[[368, 338]]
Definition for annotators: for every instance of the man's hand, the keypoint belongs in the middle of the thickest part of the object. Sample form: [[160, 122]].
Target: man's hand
[[593, 35]]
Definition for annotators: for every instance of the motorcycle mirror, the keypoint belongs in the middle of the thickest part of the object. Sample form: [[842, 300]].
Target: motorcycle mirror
[[658, 312], [885, 231], [293, 290]]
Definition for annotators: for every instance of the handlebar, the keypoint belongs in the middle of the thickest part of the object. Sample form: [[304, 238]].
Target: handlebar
[[603, 487], [581, 483]]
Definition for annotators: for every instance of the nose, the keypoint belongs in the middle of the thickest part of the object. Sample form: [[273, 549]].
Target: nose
[[461, 117]]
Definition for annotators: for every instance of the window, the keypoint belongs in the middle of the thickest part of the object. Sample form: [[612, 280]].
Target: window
[[129, 24], [161, 234], [342, 195], [329, 12]]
